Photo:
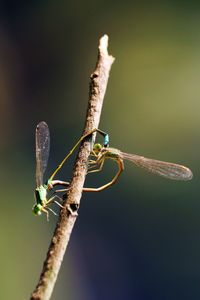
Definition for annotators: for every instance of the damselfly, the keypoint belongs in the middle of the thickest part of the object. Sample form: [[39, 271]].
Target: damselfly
[[165, 169], [42, 140]]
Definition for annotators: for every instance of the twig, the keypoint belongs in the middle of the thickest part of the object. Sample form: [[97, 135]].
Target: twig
[[68, 215]]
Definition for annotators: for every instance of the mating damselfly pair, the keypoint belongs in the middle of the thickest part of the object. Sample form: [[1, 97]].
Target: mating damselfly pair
[[98, 155]]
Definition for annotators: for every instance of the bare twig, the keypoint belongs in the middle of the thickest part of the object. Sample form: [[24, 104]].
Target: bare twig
[[99, 79]]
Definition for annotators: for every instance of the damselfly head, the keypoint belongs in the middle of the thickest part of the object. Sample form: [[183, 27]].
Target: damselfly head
[[97, 148], [37, 209]]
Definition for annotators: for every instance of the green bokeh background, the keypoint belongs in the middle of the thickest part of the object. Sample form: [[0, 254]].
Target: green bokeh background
[[141, 238]]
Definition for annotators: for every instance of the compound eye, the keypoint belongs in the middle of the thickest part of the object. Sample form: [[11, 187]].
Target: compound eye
[[97, 147], [37, 209]]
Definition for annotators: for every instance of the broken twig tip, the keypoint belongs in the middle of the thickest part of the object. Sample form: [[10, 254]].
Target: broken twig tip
[[103, 44], [103, 48]]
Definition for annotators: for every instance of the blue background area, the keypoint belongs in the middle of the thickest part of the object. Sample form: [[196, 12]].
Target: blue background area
[[139, 239]]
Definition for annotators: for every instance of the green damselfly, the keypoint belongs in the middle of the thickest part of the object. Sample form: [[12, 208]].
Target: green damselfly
[[42, 143]]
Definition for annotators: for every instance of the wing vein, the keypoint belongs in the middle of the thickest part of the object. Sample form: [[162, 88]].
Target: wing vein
[[161, 168]]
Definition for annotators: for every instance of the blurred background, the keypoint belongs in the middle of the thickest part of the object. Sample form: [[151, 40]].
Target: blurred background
[[139, 239]]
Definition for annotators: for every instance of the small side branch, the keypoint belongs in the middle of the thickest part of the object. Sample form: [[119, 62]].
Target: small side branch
[[68, 215]]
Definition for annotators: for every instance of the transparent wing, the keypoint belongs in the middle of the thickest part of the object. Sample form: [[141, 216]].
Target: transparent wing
[[165, 169], [42, 144]]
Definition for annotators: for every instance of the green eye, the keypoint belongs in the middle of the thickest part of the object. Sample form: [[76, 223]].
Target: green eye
[[37, 209], [97, 147]]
